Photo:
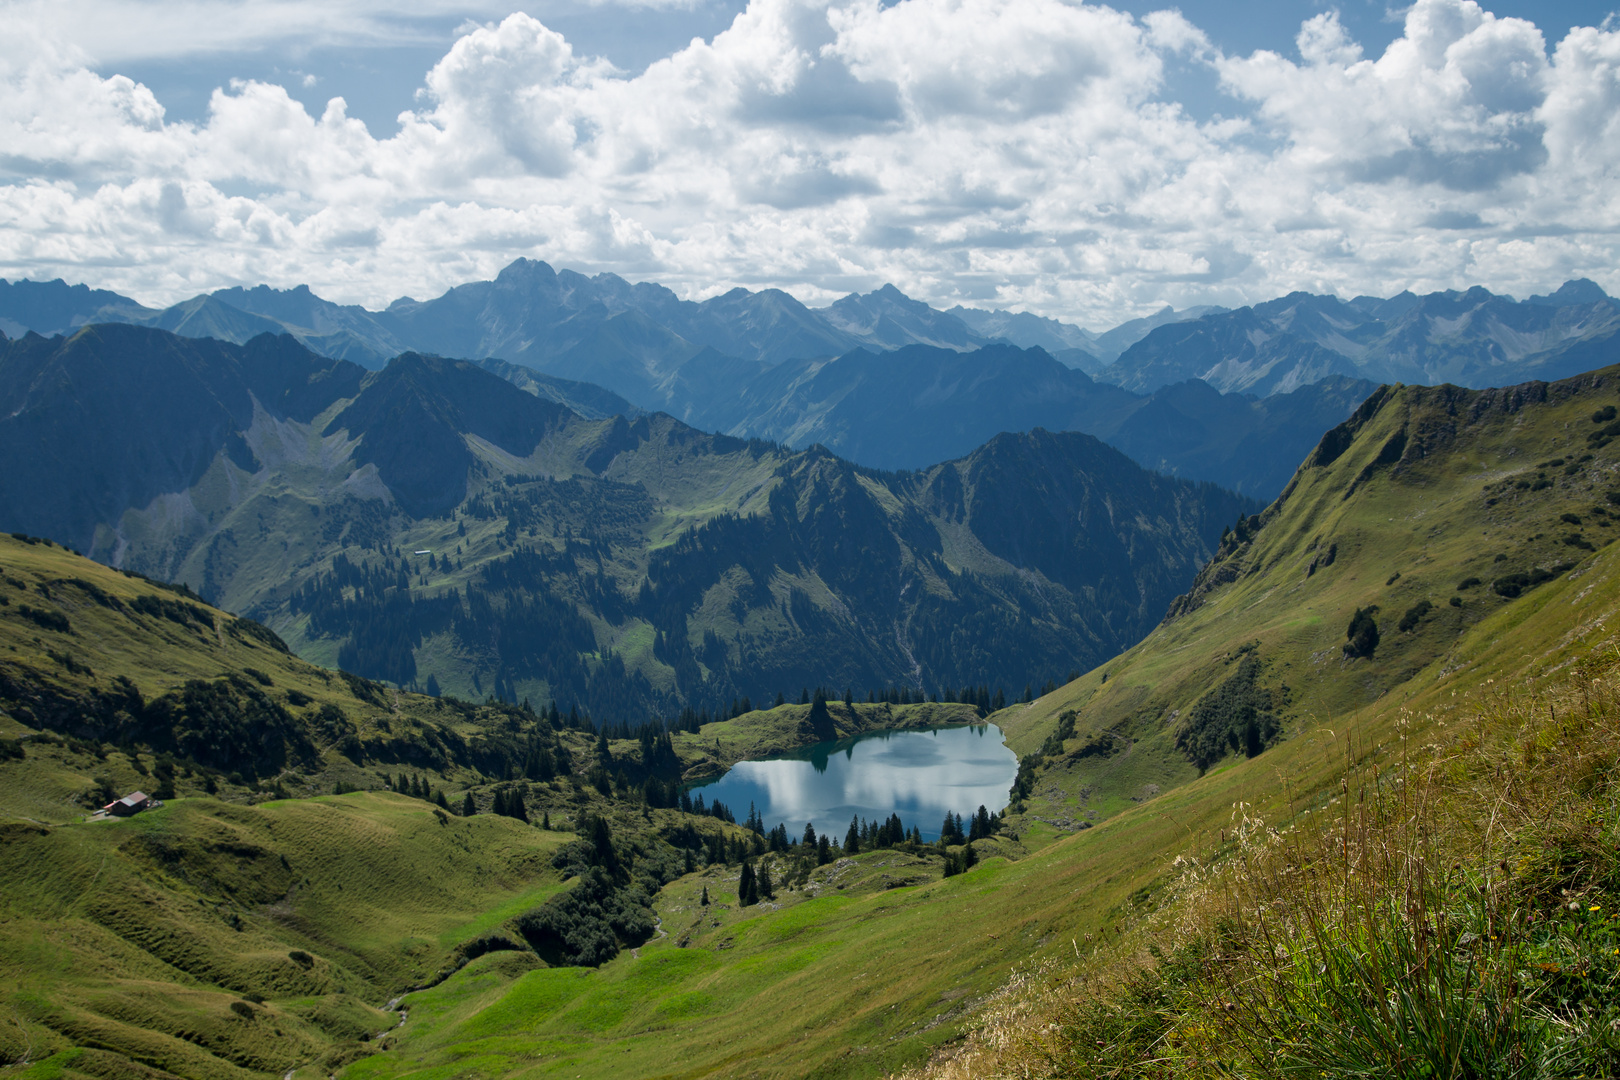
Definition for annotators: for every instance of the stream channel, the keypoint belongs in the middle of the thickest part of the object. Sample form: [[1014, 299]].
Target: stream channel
[[921, 775]]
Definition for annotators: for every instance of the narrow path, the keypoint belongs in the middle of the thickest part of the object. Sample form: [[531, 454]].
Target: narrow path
[[662, 933]]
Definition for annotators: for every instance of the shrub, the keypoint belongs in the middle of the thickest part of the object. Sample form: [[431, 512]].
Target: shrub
[[1414, 615], [1362, 633]]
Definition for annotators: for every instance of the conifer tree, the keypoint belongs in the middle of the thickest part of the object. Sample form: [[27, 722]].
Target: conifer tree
[[545, 820], [852, 839], [469, 807], [602, 845], [821, 722], [747, 887], [809, 834], [704, 902], [767, 889], [983, 826], [498, 806]]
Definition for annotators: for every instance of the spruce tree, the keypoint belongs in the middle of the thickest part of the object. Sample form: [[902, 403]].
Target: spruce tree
[[469, 806], [498, 806], [747, 887], [809, 834], [704, 902], [602, 846], [767, 888], [852, 839], [821, 722], [982, 823], [545, 820]]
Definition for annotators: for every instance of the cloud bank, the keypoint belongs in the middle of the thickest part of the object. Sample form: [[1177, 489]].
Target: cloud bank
[[1020, 153]]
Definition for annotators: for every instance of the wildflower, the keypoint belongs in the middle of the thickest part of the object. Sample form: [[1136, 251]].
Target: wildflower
[[1595, 907]]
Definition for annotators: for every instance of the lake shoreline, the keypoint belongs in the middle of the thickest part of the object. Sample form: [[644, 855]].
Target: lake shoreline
[[709, 753], [921, 774]]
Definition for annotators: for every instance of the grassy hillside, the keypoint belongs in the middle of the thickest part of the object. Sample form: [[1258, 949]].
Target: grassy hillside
[[863, 966], [237, 931], [1431, 509]]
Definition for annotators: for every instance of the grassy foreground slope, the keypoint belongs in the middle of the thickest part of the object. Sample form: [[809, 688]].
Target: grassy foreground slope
[[1424, 885]]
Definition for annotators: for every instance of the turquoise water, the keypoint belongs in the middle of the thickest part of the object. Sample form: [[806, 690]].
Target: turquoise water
[[921, 775]]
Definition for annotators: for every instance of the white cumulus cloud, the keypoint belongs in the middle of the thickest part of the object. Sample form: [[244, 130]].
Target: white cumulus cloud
[[1023, 153]]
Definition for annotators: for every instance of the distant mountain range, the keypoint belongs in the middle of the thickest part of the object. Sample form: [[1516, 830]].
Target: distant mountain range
[[889, 382], [1473, 339], [434, 521]]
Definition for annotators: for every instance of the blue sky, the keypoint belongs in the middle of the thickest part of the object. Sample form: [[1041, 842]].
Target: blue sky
[[1084, 161]]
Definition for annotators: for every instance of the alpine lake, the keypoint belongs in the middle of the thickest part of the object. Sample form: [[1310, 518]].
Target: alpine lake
[[920, 775]]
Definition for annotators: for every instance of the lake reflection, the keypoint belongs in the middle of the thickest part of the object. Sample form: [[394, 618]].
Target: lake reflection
[[921, 775]]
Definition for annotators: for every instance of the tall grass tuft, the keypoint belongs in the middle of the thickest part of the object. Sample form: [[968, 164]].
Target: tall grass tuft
[[1451, 911]]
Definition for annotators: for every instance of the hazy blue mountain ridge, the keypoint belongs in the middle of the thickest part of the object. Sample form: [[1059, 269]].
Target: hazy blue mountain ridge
[[1472, 338]]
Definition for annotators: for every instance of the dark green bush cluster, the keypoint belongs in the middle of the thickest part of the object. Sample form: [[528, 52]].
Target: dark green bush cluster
[[585, 926], [46, 619], [1239, 714], [1064, 731], [1362, 634], [1414, 615], [1512, 585]]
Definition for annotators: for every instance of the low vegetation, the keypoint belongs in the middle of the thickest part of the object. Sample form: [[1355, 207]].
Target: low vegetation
[[1451, 909]]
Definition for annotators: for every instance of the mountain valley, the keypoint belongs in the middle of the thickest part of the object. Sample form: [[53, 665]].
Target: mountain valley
[[231, 931]]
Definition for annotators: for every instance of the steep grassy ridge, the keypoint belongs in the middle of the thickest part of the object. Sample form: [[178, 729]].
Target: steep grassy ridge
[[1423, 885], [1431, 509]]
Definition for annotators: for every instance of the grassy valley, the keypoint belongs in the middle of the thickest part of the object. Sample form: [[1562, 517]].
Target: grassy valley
[[1318, 666]]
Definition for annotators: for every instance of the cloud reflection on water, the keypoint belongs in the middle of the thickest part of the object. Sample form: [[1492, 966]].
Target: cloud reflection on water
[[920, 775]]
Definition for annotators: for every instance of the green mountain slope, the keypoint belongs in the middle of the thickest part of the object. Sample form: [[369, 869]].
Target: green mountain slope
[[1429, 511], [436, 527]]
